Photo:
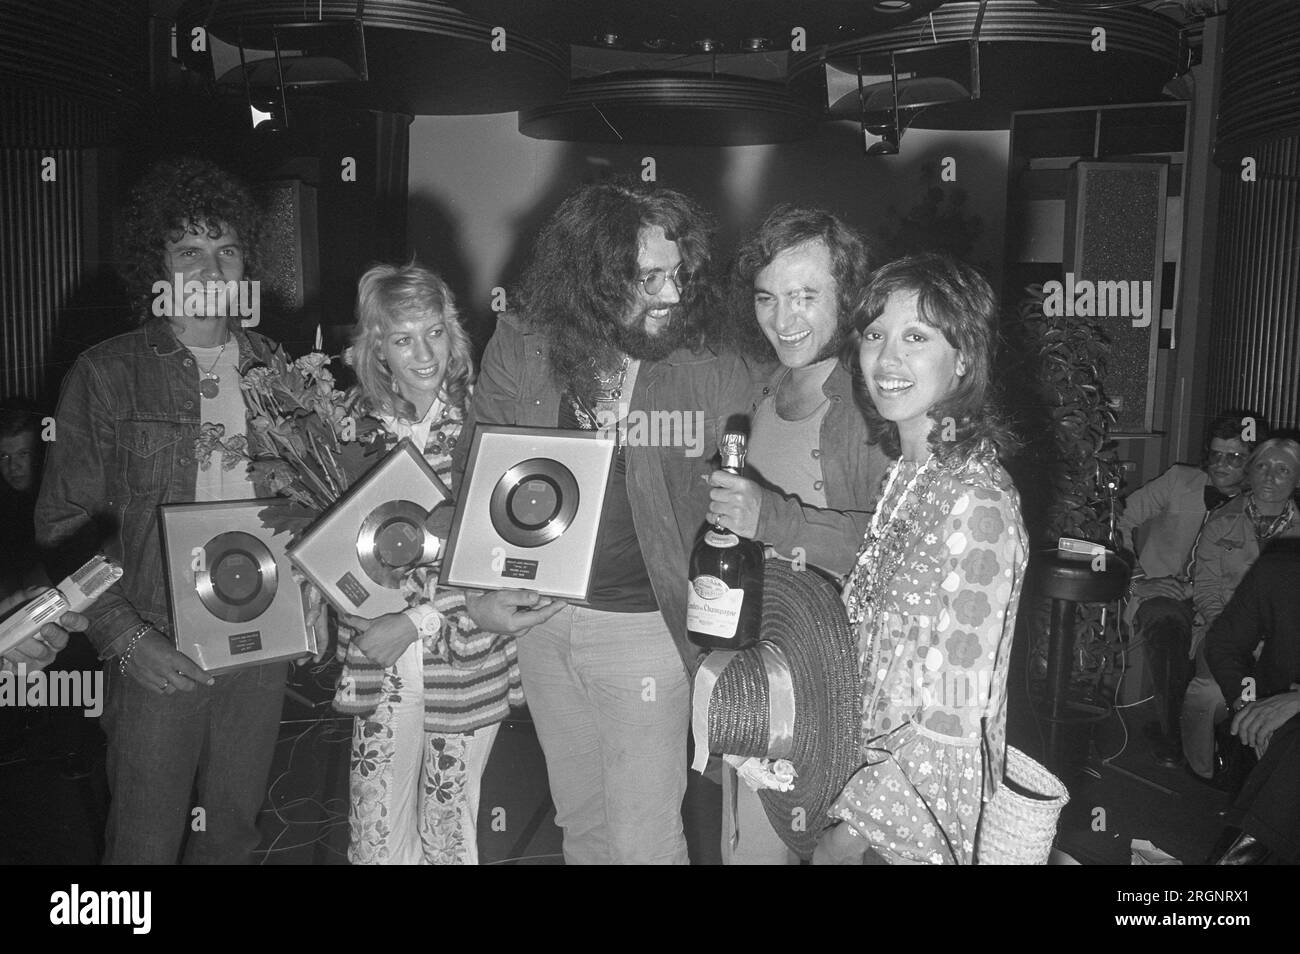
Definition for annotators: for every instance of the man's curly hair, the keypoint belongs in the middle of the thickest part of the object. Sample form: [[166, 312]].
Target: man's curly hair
[[172, 196], [584, 265]]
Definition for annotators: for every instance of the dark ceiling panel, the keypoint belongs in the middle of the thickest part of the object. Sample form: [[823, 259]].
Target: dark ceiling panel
[[424, 57], [678, 25], [674, 110]]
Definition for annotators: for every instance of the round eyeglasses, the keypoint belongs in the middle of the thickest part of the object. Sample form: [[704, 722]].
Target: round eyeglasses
[[653, 283], [1231, 458]]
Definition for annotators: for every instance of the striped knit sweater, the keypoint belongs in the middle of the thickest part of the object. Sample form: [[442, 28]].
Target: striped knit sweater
[[471, 676]]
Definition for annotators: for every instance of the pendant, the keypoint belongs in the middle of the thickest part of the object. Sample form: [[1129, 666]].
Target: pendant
[[210, 387]]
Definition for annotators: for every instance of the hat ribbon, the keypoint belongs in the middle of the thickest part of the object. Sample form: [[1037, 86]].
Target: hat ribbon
[[705, 680], [780, 701], [780, 696]]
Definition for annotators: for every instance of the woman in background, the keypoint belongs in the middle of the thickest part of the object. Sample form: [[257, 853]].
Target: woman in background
[[937, 583], [428, 688]]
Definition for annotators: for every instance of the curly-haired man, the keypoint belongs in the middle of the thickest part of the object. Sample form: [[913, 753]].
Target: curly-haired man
[[611, 323], [128, 418]]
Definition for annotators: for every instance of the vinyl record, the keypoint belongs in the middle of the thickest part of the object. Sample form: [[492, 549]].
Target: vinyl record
[[238, 579], [534, 502], [392, 540]]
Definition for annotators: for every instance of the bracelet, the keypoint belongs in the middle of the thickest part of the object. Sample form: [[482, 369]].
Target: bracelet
[[124, 659]]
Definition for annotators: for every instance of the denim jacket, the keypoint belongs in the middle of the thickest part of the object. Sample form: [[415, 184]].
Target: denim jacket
[[124, 443], [852, 470], [669, 500]]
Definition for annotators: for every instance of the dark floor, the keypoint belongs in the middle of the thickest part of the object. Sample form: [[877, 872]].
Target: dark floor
[[1117, 795]]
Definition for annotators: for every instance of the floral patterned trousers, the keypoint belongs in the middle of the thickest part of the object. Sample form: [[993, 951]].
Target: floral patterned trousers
[[413, 794]]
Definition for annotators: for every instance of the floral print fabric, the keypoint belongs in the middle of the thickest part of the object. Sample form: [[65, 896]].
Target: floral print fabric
[[446, 831], [934, 708]]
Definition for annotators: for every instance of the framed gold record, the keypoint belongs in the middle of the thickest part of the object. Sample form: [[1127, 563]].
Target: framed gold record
[[230, 586], [236, 580], [534, 502], [392, 540], [360, 549], [529, 511]]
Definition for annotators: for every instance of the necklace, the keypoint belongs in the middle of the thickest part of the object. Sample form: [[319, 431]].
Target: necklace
[[210, 385], [1264, 526], [884, 548], [605, 414], [609, 387]]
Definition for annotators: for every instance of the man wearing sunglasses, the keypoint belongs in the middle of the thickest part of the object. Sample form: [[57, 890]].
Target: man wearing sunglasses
[[610, 324], [1160, 523]]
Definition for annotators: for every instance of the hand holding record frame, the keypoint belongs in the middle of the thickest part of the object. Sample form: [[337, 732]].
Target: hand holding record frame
[[233, 599], [359, 549], [529, 511]]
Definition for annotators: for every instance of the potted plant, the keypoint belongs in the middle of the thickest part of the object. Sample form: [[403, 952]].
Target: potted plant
[[1067, 471]]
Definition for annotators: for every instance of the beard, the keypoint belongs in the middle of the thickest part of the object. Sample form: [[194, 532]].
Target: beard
[[635, 342]]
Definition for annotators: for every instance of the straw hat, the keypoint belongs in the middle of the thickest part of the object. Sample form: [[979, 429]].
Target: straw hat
[[796, 695]]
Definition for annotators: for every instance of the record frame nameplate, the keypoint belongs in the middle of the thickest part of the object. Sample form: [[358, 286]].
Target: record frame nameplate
[[529, 511], [362, 546], [234, 602]]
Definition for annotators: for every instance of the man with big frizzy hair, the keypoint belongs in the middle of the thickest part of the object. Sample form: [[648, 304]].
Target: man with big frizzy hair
[[814, 473], [611, 323], [127, 423]]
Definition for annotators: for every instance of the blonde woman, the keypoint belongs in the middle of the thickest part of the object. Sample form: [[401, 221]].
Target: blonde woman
[[428, 688]]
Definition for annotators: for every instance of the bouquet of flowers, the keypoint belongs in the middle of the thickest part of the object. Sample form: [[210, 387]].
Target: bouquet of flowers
[[307, 441]]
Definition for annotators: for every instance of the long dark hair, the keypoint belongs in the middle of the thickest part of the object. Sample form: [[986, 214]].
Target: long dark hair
[[954, 298], [584, 265], [172, 196]]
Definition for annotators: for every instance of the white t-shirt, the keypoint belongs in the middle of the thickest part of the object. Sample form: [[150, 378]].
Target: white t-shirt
[[217, 483]]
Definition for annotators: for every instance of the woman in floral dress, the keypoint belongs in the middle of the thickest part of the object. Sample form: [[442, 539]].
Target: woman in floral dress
[[937, 583], [428, 688]]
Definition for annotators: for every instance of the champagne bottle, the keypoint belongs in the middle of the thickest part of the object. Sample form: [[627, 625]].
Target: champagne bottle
[[725, 604]]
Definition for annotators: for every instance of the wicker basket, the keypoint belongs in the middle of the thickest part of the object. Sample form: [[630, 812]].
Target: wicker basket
[[1017, 827]]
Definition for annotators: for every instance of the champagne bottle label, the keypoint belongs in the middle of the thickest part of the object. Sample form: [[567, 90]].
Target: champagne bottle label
[[721, 540], [713, 608]]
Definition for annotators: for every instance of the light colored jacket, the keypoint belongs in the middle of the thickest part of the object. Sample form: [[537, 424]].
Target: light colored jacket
[[1169, 510]]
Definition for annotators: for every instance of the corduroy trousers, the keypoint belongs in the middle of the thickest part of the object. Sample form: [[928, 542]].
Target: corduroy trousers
[[610, 699]]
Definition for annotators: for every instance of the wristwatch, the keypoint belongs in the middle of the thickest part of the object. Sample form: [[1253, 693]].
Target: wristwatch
[[427, 620]]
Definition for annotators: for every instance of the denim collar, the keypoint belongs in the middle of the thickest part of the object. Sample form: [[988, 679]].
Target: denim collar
[[158, 334]]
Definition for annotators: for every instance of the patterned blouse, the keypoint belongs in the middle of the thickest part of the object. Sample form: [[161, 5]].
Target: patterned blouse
[[935, 654]]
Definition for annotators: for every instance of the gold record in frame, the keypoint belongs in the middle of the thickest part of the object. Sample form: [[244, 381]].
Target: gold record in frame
[[534, 502], [529, 511], [238, 580], [392, 539]]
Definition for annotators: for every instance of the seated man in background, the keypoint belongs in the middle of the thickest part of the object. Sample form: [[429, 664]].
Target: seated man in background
[[816, 472], [1264, 613], [1167, 513]]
